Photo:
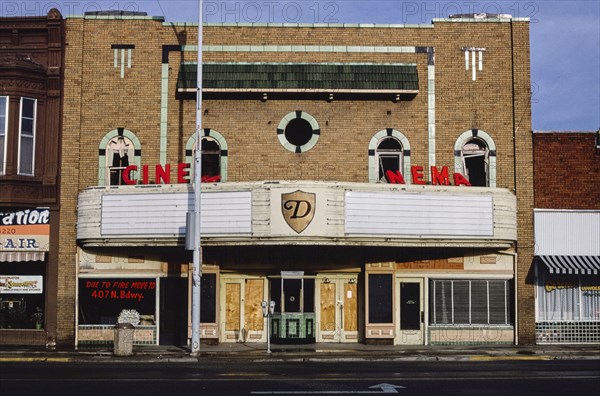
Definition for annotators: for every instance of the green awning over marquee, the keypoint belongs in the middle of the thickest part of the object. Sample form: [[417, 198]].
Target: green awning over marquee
[[301, 77]]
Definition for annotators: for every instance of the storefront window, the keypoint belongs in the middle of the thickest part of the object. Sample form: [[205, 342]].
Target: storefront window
[[101, 300], [470, 302], [22, 299], [568, 297]]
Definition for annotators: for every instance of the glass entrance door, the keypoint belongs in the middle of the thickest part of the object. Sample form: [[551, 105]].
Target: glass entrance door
[[294, 317], [411, 312]]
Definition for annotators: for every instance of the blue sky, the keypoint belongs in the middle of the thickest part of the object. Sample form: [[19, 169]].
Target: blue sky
[[565, 36]]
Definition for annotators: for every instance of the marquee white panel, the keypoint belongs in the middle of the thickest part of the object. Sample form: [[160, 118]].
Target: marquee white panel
[[164, 214], [416, 214]]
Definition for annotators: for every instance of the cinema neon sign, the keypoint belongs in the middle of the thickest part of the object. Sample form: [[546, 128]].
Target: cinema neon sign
[[438, 177], [162, 175]]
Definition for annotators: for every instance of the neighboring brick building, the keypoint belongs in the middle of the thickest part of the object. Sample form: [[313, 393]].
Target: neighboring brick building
[[31, 78], [567, 231], [301, 124], [567, 170]]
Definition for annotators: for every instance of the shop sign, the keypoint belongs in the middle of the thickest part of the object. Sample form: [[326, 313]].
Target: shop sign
[[24, 217], [24, 230], [298, 209], [418, 176], [162, 174], [117, 289], [558, 285], [21, 284], [550, 286], [591, 290]]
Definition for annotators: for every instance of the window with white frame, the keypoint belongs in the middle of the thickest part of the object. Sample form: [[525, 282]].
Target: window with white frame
[[3, 132], [211, 160], [474, 155], [389, 157], [27, 137], [214, 156], [470, 302], [119, 155]]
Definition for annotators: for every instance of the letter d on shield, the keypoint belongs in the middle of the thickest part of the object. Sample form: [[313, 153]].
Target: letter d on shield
[[298, 209]]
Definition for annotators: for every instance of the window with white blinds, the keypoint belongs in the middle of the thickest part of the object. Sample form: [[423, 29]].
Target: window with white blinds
[[470, 302], [568, 297]]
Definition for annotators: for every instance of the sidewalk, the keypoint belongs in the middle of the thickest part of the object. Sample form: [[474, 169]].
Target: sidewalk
[[310, 352]]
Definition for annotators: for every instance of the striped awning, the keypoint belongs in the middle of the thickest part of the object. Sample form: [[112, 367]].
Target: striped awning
[[574, 265], [11, 257]]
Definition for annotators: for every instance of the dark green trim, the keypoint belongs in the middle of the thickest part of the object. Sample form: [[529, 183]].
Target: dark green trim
[[292, 76]]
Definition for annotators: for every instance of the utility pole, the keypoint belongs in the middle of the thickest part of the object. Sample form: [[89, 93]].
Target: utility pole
[[197, 263]]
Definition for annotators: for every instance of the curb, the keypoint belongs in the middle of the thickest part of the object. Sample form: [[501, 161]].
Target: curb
[[184, 359]]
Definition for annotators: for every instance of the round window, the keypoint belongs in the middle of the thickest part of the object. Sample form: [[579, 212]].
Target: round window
[[298, 131]]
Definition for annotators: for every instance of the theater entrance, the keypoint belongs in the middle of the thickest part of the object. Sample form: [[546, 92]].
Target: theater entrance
[[337, 315]]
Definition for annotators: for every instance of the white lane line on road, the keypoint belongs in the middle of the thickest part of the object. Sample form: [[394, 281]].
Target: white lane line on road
[[383, 388]]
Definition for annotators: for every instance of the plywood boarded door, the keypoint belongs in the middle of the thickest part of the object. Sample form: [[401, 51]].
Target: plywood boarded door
[[253, 318], [243, 313], [338, 310], [327, 323], [232, 311]]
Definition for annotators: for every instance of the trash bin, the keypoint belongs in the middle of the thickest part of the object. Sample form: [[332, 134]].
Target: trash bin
[[123, 342]]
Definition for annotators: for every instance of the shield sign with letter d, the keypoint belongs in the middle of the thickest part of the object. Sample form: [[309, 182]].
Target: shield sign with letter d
[[298, 209]]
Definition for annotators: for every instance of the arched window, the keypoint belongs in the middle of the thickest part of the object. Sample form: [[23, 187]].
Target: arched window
[[119, 155], [475, 162], [389, 157], [214, 156], [119, 149], [389, 150], [475, 158], [211, 160]]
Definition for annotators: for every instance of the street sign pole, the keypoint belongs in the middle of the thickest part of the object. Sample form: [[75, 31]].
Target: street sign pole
[[197, 257]]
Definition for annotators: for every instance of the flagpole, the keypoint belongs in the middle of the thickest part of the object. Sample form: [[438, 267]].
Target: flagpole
[[197, 257]]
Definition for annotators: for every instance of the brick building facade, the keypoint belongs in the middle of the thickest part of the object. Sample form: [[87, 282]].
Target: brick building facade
[[300, 125], [31, 78], [567, 230], [567, 170]]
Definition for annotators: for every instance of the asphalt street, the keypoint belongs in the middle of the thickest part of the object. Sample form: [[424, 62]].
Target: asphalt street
[[208, 376]]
